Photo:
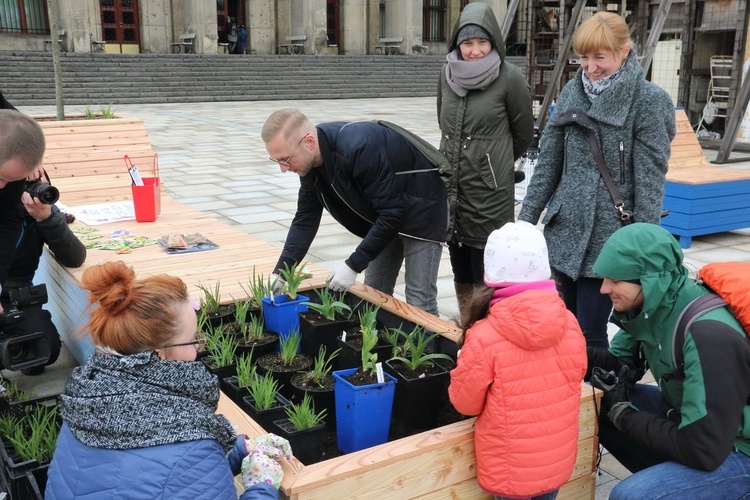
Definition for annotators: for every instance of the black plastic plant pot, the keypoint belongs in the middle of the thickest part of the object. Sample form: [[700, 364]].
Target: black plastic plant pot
[[418, 400], [224, 316], [316, 330], [268, 344], [351, 356], [265, 418], [307, 444], [16, 474], [321, 398], [220, 371], [231, 387], [270, 363]]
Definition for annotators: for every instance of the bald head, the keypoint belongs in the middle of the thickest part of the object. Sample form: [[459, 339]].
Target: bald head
[[21, 140]]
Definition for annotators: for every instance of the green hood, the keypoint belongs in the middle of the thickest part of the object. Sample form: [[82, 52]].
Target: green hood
[[480, 14], [648, 253]]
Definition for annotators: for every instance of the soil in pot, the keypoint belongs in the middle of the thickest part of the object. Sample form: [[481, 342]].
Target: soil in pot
[[418, 397], [267, 344], [231, 387], [271, 363], [322, 396], [308, 444], [265, 418], [224, 316], [316, 330], [351, 350]]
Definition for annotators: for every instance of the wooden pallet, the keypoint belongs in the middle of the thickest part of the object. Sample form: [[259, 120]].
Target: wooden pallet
[[702, 199]]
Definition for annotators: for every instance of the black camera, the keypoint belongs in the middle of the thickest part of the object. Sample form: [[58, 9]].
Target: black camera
[[46, 193], [26, 350]]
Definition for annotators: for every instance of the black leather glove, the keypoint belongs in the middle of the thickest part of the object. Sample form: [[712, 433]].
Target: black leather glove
[[615, 388], [597, 356]]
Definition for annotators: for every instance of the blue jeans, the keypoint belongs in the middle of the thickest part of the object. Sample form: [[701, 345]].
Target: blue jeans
[[547, 496], [421, 258], [590, 307], [670, 480]]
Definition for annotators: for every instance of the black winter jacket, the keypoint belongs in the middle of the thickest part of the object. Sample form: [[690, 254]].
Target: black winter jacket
[[376, 184]]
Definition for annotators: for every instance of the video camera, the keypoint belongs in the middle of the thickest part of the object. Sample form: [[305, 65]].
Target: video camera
[[27, 350]]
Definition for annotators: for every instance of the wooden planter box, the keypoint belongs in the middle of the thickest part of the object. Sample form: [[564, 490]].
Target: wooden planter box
[[435, 464]]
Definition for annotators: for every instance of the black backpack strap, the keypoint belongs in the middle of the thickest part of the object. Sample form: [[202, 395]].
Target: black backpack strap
[[694, 309]]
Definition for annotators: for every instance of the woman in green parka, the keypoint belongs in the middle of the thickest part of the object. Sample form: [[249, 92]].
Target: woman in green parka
[[485, 115], [688, 437]]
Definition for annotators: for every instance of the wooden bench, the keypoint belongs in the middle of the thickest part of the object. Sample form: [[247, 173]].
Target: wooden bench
[[60, 37], [701, 198], [439, 463], [389, 46], [185, 45], [295, 44]]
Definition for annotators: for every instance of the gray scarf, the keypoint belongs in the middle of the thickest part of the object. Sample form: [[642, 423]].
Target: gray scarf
[[463, 76], [595, 89], [135, 401]]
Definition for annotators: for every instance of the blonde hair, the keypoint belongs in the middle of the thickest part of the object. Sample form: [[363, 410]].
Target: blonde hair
[[132, 315], [287, 121], [20, 137], [603, 30]]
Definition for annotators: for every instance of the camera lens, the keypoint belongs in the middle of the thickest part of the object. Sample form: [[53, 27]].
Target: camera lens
[[44, 192]]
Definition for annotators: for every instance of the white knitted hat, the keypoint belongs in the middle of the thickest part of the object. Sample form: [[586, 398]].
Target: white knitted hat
[[515, 253]]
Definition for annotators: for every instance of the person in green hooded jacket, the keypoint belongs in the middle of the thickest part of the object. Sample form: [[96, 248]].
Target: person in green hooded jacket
[[486, 119], [688, 437]]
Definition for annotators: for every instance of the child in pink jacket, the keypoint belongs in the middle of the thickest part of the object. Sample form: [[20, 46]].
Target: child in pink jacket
[[520, 367]]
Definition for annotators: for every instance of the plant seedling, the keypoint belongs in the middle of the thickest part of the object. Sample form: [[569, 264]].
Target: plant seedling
[[210, 301], [416, 345], [392, 336], [368, 319], [107, 111], [263, 390], [289, 348], [222, 349], [369, 358], [253, 329], [8, 425], [303, 416], [330, 305], [245, 370], [241, 308], [321, 367], [88, 112], [293, 277], [257, 288], [35, 438]]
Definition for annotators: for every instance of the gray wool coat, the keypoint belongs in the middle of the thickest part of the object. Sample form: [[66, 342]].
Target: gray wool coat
[[637, 123]]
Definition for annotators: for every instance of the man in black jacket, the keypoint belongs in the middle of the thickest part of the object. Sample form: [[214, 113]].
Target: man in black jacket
[[381, 183]]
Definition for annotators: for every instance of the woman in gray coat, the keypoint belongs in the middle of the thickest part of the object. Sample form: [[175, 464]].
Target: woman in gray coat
[[485, 115], [635, 121]]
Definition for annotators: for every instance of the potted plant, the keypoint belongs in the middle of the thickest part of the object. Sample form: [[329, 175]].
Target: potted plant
[[417, 402], [26, 448], [323, 322], [264, 404], [210, 304], [318, 384], [285, 363], [351, 344], [363, 400], [236, 386], [221, 348], [304, 429], [257, 287], [254, 339], [281, 312]]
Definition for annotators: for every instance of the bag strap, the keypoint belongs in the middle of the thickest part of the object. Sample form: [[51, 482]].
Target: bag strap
[[694, 309], [626, 217]]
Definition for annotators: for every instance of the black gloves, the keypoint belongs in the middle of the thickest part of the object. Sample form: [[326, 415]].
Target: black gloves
[[616, 399], [602, 358]]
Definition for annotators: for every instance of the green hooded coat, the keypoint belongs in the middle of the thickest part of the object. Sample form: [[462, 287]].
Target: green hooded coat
[[483, 134], [712, 397]]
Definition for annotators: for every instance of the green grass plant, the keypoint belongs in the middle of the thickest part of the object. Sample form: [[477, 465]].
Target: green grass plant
[[253, 329], [293, 277], [222, 349], [245, 370], [303, 416], [241, 309], [330, 305], [35, 438], [258, 287], [210, 301], [8, 425], [88, 112], [415, 348], [289, 347], [107, 111], [321, 367], [263, 390]]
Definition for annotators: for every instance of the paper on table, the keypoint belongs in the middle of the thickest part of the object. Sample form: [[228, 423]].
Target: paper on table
[[101, 213]]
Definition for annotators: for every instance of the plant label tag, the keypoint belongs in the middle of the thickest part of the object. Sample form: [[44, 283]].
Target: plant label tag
[[270, 296], [343, 335], [379, 373]]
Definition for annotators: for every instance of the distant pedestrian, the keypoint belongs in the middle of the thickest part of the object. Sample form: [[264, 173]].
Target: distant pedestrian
[[242, 37], [232, 38]]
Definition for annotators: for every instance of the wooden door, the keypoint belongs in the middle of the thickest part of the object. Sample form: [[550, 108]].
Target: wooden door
[[120, 25]]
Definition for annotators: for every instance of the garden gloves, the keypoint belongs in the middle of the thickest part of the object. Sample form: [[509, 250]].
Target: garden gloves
[[616, 399], [342, 279], [261, 464]]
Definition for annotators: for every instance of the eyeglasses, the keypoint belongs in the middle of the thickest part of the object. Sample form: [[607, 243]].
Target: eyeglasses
[[285, 162], [198, 342]]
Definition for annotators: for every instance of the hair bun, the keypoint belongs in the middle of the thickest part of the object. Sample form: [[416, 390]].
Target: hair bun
[[110, 285]]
